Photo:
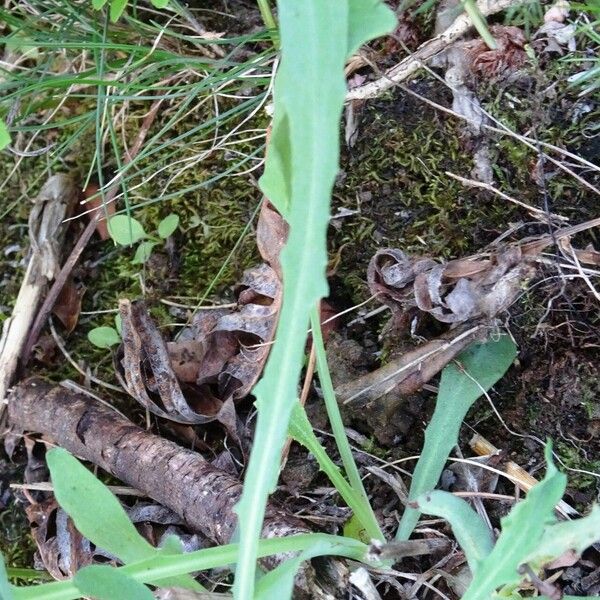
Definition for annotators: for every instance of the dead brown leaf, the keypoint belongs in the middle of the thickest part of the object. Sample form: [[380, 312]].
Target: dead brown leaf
[[62, 549], [68, 304], [216, 361], [454, 292], [508, 56]]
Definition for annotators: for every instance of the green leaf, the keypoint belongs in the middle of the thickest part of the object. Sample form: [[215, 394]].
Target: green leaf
[[143, 252], [567, 536], [98, 4], [367, 20], [96, 512], [276, 181], [168, 225], [119, 323], [104, 337], [107, 583], [116, 9], [314, 43], [301, 430], [468, 527], [125, 230], [481, 366], [522, 532], [99, 516], [4, 135], [5, 587], [354, 529], [160, 3], [279, 583]]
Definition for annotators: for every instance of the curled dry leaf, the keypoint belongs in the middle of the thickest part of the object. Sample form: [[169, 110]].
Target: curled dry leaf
[[147, 371], [271, 235], [454, 292], [216, 362]]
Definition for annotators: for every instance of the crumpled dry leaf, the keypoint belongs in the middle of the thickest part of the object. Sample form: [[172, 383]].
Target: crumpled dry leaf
[[452, 292], [216, 362], [509, 55], [62, 549], [147, 372]]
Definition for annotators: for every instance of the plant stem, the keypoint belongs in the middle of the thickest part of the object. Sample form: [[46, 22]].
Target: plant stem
[[164, 567], [335, 418]]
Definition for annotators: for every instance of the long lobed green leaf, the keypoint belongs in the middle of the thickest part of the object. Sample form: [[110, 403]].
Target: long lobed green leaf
[[309, 96]]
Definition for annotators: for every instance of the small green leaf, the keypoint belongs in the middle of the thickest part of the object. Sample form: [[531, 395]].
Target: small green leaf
[[95, 510], [559, 538], [469, 529], [5, 587], [168, 225], [104, 337], [522, 531], [160, 3], [116, 9], [125, 230], [98, 4], [4, 135], [143, 252], [119, 323], [107, 583], [481, 365]]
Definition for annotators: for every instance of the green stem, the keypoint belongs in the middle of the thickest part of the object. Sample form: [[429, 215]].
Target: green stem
[[163, 567], [267, 14], [335, 418]]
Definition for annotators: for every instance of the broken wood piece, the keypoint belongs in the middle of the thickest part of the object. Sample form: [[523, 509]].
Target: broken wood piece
[[409, 372], [182, 480], [517, 474], [47, 229]]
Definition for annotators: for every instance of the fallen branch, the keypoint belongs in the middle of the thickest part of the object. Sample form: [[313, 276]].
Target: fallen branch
[[182, 480], [411, 64]]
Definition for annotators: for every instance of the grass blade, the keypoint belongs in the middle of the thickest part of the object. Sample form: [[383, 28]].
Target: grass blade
[[301, 430]]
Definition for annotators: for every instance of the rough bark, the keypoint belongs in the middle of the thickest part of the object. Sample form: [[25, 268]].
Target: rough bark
[[173, 476]]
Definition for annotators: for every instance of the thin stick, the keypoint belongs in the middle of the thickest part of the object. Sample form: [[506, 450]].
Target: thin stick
[[524, 480], [411, 64], [310, 371], [538, 213], [83, 240]]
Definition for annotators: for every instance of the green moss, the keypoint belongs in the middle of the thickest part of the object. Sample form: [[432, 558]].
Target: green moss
[[395, 179]]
